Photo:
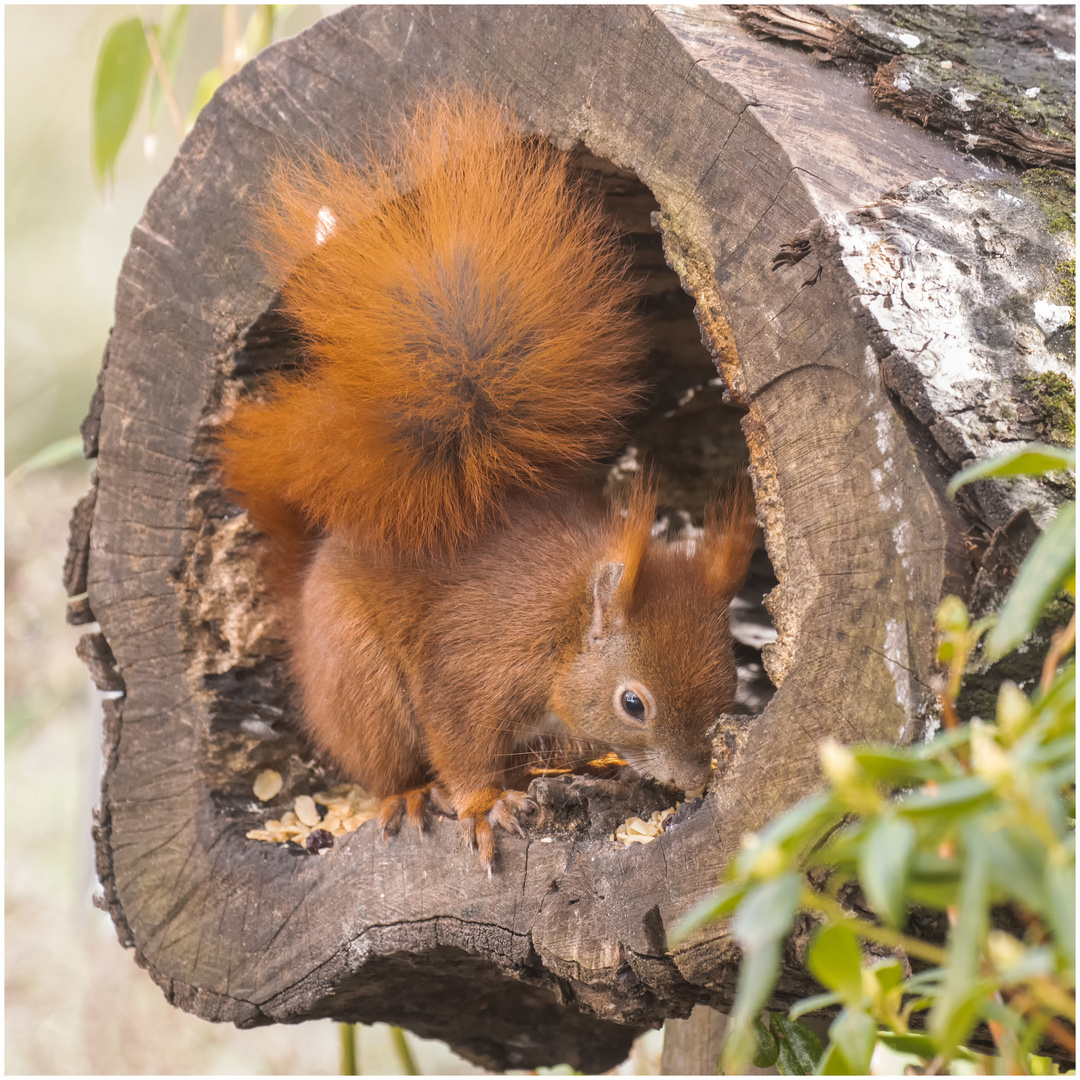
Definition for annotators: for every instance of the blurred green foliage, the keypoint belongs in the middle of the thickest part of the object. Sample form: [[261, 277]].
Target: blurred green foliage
[[135, 48], [978, 822]]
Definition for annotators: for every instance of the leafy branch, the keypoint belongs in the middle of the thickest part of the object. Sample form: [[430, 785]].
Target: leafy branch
[[973, 824]]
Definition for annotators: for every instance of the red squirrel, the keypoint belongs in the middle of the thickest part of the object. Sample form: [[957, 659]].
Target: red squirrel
[[450, 591]]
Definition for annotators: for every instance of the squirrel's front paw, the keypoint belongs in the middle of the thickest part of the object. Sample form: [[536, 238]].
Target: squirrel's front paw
[[492, 807]]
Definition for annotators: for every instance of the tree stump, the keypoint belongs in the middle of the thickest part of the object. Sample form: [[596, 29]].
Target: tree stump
[[869, 295]]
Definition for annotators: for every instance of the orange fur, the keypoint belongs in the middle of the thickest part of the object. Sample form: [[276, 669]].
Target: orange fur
[[468, 318], [472, 352]]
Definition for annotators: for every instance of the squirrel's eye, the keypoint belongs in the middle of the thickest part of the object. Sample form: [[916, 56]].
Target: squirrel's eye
[[632, 704]]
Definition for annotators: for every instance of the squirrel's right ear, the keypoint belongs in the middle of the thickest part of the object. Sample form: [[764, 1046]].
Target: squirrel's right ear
[[730, 539], [605, 589]]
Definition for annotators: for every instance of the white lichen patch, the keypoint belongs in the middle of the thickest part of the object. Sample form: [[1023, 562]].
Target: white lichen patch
[[961, 98], [898, 662], [1052, 317], [959, 279]]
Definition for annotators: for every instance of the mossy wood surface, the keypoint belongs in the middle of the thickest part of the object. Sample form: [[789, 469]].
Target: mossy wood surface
[[761, 162]]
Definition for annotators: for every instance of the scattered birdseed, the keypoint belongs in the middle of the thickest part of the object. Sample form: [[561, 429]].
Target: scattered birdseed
[[267, 785], [307, 811], [637, 831], [346, 808]]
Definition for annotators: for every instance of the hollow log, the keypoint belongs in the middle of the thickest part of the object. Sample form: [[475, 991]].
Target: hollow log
[[871, 297]]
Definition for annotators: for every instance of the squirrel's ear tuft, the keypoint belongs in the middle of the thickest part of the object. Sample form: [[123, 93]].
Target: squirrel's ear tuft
[[730, 539], [632, 532]]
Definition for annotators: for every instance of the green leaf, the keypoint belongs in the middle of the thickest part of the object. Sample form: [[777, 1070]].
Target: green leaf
[[799, 1048], [1043, 1066], [767, 1049], [56, 453], [917, 1046], [715, 906], [1061, 913], [1049, 563], [835, 960], [205, 89], [170, 38], [853, 1034], [1059, 701], [796, 828], [767, 912], [888, 973], [757, 977], [1034, 460], [812, 1004], [897, 765], [260, 29], [884, 858], [954, 797], [123, 62], [1016, 867], [962, 994]]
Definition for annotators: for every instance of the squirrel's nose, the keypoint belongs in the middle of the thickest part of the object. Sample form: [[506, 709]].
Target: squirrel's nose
[[684, 775]]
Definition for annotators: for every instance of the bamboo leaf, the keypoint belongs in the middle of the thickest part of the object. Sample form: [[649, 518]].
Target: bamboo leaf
[[260, 29], [122, 65], [60, 452], [205, 89]]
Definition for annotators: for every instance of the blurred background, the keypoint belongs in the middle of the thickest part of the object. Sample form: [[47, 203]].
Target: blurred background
[[75, 1001]]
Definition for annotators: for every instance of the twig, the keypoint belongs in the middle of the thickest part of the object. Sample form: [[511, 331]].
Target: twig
[[1061, 641], [348, 1050], [881, 934], [408, 1065], [230, 40], [162, 73], [1007, 1045]]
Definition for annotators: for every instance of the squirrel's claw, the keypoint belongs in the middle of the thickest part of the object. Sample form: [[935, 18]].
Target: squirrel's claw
[[492, 807], [412, 806]]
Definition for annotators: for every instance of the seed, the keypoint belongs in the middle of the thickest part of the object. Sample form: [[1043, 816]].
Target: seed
[[307, 811], [267, 785]]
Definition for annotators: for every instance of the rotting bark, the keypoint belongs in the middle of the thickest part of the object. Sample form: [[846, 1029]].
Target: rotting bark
[[996, 80], [739, 147]]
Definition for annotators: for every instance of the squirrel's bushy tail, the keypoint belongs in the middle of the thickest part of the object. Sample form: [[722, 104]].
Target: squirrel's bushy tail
[[467, 312]]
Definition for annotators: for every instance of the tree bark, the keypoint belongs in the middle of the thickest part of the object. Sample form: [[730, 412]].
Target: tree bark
[[822, 243]]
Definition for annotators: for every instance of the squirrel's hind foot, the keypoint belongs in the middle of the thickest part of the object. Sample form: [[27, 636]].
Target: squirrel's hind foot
[[492, 807], [413, 806]]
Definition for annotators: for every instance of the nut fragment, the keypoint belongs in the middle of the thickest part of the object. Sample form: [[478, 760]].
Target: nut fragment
[[307, 811], [267, 785], [347, 807], [636, 831]]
